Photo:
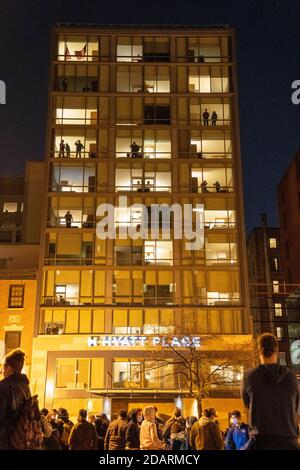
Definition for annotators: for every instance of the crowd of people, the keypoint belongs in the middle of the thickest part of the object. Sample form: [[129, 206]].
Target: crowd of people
[[270, 392]]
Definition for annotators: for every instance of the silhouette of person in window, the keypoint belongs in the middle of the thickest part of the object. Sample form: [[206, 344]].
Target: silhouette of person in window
[[79, 147], [204, 187], [205, 116], [135, 148], [214, 118], [147, 187], [65, 84], [62, 149], [217, 185], [68, 219], [68, 151], [139, 187]]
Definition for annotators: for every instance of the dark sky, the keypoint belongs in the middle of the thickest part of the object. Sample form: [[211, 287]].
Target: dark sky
[[268, 43]]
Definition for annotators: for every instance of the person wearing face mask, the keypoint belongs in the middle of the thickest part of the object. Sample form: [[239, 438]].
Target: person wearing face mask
[[132, 436], [238, 433]]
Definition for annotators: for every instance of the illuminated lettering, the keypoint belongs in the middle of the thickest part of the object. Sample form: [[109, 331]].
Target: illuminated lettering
[[142, 341]]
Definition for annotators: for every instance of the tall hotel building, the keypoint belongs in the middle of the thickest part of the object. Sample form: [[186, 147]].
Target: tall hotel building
[[127, 116]]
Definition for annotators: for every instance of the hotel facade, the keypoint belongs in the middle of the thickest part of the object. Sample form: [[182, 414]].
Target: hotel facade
[[147, 112]]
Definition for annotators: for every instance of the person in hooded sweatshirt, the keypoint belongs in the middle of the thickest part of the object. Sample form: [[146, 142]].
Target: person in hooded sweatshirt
[[271, 393], [149, 439], [132, 436], [14, 383], [206, 433]]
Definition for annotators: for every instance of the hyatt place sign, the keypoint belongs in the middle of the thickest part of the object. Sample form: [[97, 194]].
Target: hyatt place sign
[[144, 341]]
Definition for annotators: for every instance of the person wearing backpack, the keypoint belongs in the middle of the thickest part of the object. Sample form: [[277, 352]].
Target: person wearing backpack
[[20, 420], [64, 426], [175, 418]]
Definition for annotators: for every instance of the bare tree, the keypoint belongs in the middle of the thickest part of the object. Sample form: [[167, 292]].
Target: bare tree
[[214, 365]]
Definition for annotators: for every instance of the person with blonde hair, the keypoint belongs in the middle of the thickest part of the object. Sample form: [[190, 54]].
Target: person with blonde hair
[[149, 439]]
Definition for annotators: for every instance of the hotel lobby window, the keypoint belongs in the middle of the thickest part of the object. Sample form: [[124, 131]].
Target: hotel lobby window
[[133, 373], [83, 373]]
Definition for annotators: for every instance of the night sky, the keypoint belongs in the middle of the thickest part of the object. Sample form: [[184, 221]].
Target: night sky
[[268, 47]]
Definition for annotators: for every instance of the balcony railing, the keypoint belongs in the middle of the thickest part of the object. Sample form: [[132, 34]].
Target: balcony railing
[[143, 188]]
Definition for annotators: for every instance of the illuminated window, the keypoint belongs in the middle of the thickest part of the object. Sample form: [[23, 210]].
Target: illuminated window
[[10, 207], [282, 358], [278, 310], [16, 296], [273, 242], [275, 264], [276, 287], [142, 374], [12, 340], [80, 373], [279, 332]]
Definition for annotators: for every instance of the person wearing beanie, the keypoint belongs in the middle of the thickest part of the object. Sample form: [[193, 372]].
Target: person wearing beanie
[[15, 384]]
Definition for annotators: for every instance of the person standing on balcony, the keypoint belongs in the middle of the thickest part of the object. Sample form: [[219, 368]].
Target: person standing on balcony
[[62, 149], [135, 148], [64, 84], [205, 116], [214, 118], [79, 148], [68, 151], [68, 219]]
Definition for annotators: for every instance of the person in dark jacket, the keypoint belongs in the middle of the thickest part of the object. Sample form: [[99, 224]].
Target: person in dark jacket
[[115, 436], [14, 384], [271, 393], [101, 425], [132, 436], [238, 433], [83, 435]]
